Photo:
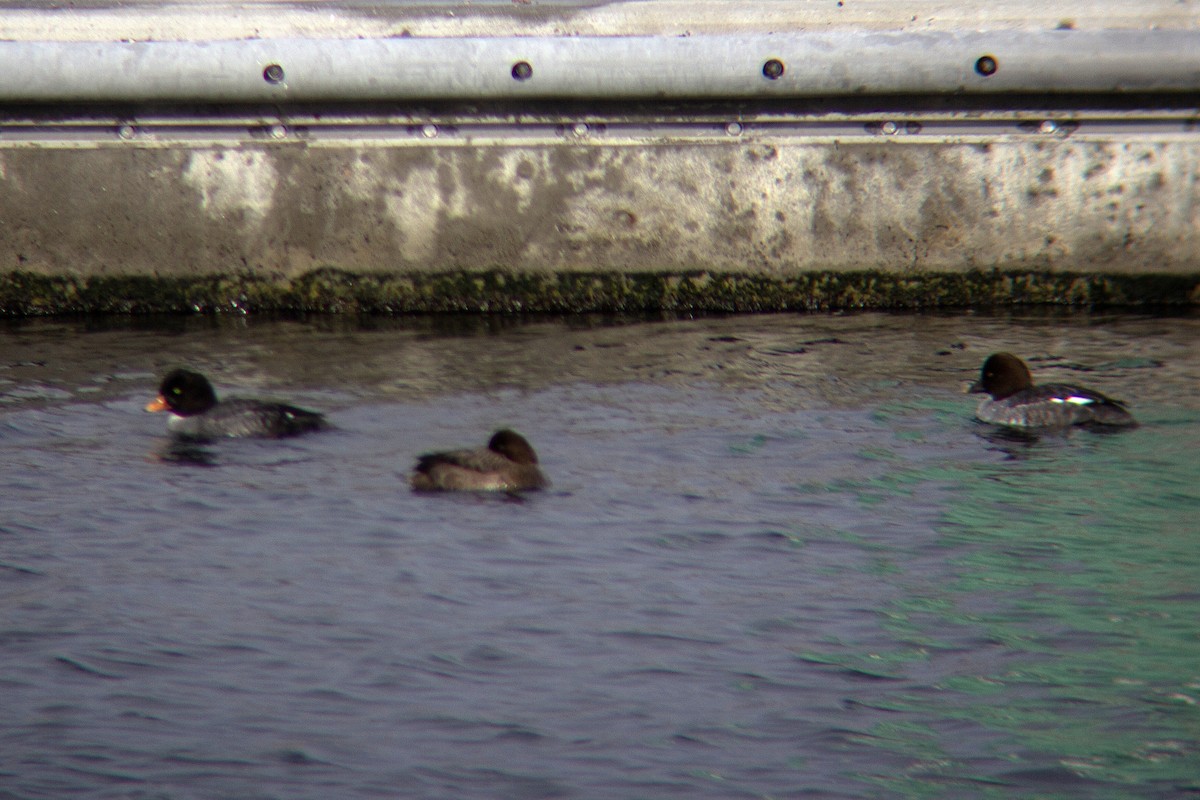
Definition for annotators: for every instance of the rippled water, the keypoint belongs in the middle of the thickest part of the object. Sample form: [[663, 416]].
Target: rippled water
[[779, 560]]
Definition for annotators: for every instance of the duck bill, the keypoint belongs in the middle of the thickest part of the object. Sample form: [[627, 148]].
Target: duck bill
[[157, 404], [976, 388]]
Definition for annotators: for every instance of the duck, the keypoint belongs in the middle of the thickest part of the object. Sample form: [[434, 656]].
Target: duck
[[507, 464], [1015, 402], [197, 414]]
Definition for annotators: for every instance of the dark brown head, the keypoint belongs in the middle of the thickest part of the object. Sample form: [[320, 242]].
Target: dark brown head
[[1003, 375], [512, 446], [185, 393]]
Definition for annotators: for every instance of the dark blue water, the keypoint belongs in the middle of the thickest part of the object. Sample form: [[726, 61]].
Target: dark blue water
[[778, 560]]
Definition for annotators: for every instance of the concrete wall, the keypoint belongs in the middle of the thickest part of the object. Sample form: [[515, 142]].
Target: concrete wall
[[769, 206], [1031, 186]]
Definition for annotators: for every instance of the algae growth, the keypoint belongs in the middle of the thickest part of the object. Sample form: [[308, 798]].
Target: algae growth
[[499, 291]]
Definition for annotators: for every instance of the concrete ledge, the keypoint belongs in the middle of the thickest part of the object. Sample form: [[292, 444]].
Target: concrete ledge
[[185, 20], [329, 290]]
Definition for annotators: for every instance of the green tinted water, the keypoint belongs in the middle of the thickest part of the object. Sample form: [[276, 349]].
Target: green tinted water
[[1078, 555]]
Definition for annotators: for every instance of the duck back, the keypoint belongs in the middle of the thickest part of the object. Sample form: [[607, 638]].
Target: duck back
[[1054, 406], [248, 418]]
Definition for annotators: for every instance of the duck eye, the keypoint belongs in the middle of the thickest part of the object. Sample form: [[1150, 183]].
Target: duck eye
[[177, 390]]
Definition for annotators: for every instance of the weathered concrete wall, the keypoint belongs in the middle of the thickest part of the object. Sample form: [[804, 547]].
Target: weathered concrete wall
[[1033, 198], [775, 207]]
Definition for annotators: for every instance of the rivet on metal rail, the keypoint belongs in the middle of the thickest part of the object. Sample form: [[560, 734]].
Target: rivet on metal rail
[[773, 69], [986, 66]]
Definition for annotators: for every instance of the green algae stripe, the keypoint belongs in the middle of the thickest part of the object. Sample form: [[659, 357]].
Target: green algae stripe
[[500, 291]]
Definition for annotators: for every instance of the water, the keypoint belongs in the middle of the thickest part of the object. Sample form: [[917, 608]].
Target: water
[[778, 560]]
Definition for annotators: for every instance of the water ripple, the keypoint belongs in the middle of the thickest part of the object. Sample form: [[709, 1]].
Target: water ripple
[[778, 559]]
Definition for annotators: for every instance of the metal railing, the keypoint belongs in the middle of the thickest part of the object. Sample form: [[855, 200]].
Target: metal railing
[[718, 67]]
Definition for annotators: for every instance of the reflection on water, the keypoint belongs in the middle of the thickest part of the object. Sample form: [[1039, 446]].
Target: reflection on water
[[181, 451], [779, 559]]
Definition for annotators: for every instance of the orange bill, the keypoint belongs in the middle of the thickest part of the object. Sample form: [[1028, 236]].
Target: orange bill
[[157, 404]]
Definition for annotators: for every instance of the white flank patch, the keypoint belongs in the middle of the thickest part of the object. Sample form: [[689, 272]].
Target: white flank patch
[[1079, 401]]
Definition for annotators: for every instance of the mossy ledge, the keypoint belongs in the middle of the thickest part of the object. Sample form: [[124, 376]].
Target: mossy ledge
[[499, 291]]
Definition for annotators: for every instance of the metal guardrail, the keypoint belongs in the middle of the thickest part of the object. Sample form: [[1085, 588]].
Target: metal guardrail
[[457, 130], [779, 65]]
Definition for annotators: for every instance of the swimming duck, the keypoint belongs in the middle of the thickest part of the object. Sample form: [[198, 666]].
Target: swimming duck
[[196, 413], [1016, 402], [507, 464]]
